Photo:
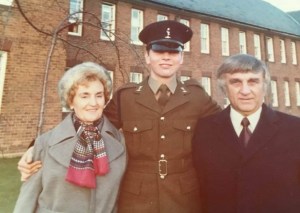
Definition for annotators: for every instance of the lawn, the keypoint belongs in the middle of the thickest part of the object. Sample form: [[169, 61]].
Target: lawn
[[9, 184]]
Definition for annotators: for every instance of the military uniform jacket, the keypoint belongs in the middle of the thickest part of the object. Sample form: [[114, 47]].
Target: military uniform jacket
[[159, 146], [264, 177]]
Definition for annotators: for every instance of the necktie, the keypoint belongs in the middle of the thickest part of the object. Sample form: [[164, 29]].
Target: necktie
[[163, 95], [246, 133]]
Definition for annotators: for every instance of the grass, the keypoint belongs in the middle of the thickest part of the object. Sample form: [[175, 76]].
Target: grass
[[9, 184]]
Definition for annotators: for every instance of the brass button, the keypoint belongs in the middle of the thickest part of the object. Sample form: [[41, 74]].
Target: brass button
[[162, 118], [163, 137], [135, 129], [188, 127]]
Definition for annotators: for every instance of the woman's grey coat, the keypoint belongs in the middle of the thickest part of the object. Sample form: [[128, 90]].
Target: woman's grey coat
[[47, 190]]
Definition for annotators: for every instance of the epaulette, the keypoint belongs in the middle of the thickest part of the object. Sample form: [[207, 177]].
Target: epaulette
[[127, 86], [118, 95], [192, 82]]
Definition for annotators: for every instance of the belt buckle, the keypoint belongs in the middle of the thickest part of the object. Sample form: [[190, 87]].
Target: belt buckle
[[162, 167]]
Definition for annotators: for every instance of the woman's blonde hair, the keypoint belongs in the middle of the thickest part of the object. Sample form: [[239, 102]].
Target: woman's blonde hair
[[81, 74]]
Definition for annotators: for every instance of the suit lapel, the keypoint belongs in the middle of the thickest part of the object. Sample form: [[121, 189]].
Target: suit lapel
[[225, 131], [263, 133]]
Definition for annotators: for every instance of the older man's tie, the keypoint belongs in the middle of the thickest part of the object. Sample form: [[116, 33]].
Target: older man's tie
[[163, 95], [246, 133]]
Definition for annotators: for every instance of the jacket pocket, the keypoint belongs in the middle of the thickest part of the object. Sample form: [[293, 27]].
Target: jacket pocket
[[137, 133], [132, 183], [186, 128]]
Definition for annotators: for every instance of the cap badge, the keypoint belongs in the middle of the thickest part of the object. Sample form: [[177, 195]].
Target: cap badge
[[168, 33]]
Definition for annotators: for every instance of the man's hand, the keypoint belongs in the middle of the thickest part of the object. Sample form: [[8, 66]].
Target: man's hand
[[26, 166]]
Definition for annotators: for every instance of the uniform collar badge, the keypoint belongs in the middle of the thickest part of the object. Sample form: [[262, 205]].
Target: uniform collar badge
[[139, 89], [183, 89]]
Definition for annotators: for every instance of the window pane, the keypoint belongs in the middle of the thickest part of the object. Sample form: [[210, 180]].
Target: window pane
[[274, 94], [6, 2], [136, 77], [287, 94], [294, 53], [108, 21], [242, 40], [161, 17], [257, 50], [206, 82], [76, 7], [225, 41], [270, 49], [204, 38], [298, 93], [136, 25], [282, 51], [187, 44], [3, 61]]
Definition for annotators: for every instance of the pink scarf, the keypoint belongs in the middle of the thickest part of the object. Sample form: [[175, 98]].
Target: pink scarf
[[89, 157]]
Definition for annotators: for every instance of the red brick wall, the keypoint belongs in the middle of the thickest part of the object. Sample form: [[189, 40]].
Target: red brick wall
[[28, 53], [25, 74]]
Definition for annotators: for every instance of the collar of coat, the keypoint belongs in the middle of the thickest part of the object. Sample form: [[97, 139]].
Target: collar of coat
[[63, 139]]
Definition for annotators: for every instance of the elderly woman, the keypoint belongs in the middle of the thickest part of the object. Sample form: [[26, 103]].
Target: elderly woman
[[83, 157]]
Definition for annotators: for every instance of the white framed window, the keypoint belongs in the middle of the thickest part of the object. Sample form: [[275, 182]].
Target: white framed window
[[136, 77], [3, 62], [257, 49], [282, 51], [137, 21], [225, 41], [270, 49], [242, 41], [184, 78], [187, 44], [108, 18], [297, 85], [294, 53], [226, 102], [206, 83], [111, 75], [274, 93], [6, 2], [161, 17], [75, 19], [287, 94], [204, 38]]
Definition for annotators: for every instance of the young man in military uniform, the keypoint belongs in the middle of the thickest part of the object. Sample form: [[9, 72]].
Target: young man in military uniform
[[158, 125]]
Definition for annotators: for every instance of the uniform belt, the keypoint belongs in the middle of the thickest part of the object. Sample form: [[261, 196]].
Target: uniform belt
[[161, 167]]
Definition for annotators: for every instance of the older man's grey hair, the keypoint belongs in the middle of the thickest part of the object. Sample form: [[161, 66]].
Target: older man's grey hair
[[79, 75], [242, 63]]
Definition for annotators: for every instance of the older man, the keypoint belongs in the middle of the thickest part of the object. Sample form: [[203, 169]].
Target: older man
[[248, 156]]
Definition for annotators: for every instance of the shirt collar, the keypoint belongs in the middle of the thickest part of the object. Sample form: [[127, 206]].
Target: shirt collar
[[154, 85], [236, 119]]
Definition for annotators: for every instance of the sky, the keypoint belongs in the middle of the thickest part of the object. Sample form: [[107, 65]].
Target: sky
[[286, 5]]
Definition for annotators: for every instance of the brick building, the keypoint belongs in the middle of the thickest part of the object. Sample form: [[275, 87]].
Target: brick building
[[106, 32]]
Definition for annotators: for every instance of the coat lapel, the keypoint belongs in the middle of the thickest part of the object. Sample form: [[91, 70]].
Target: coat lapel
[[266, 128], [64, 138], [114, 146], [225, 131], [62, 141]]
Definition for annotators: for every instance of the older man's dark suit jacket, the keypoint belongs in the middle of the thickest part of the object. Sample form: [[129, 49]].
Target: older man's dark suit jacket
[[262, 178]]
